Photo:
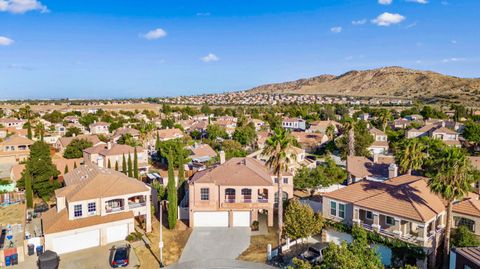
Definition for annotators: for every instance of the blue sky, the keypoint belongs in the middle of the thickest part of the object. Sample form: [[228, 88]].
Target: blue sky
[[116, 49]]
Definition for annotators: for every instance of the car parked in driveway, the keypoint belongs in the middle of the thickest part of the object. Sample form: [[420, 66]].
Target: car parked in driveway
[[120, 256], [312, 255]]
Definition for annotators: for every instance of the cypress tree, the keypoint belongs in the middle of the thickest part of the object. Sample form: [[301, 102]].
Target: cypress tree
[[172, 194], [181, 175], [28, 188], [124, 165], [116, 165], [135, 163], [157, 143], [109, 165], [130, 167], [74, 165], [66, 169], [29, 130]]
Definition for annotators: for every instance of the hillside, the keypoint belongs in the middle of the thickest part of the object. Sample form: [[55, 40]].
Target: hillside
[[385, 82]]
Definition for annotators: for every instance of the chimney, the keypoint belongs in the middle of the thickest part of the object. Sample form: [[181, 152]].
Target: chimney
[[375, 157], [392, 171], [109, 145], [221, 154]]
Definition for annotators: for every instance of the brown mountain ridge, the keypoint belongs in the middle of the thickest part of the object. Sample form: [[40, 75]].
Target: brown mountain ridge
[[396, 82]]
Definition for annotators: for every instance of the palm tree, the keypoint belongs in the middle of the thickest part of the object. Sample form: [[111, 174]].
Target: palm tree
[[384, 117], [330, 132], [410, 155], [278, 148], [349, 127], [453, 181]]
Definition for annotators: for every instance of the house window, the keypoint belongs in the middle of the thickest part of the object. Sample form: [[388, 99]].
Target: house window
[[333, 208], [369, 215], [204, 194], [390, 220], [285, 180], [77, 210], [470, 224], [275, 180], [92, 207], [341, 211]]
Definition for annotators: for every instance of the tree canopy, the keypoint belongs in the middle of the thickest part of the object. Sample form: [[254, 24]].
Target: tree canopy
[[301, 221], [75, 148], [320, 177]]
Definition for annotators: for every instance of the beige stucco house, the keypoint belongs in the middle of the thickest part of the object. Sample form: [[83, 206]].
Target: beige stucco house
[[96, 207], [234, 193]]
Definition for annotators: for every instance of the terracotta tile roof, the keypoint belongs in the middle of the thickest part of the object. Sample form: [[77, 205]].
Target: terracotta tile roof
[[444, 130], [118, 149], [236, 172], [13, 130], [15, 140], [308, 138], [323, 124], [65, 141], [361, 167], [54, 222], [405, 196], [100, 123], [470, 253], [292, 120], [170, 133], [95, 149], [122, 131], [468, 206], [376, 131], [202, 150], [98, 183]]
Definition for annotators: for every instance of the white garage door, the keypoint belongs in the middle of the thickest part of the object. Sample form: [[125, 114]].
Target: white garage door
[[241, 218], [210, 219], [117, 233], [74, 242]]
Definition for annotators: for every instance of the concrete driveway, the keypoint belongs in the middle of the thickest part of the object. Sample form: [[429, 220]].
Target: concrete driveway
[[92, 258], [216, 243], [219, 263]]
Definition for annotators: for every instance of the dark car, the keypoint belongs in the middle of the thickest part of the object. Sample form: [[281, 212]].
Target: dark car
[[120, 256], [48, 260], [312, 255]]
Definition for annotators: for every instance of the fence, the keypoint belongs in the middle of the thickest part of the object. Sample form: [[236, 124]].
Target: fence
[[12, 198]]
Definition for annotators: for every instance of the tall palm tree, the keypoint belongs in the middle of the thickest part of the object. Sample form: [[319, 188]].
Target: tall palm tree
[[453, 181], [410, 155], [349, 127], [384, 117], [278, 148]]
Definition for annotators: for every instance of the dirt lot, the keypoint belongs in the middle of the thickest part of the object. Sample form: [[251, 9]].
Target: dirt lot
[[257, 251], [12, 214], [174, 242]]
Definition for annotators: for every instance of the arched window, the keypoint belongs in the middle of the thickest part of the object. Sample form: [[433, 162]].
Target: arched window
[[285, 197], [247, 195], [470, 224], [230, 195]]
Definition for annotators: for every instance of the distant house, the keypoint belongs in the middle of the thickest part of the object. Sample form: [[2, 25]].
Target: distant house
[[201, 153], [63, 142], [99, 128], [6, 131], [124, 131], [169, 134], [14, 149], [378, 168], [97, 206], [103, 153], [12, 122], [234, 193], [380, 142], [310, 142], [294, 124], [437, 131], [322, 126]]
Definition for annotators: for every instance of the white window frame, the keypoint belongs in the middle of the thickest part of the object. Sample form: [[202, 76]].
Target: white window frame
[[92, 208], [336, 209], [387, 218], [76, 209], [342, 211]]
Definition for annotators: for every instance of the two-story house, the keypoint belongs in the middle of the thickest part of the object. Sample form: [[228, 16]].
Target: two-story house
[[97, 206], [437, 131], [12, 122], [14, 149], [294, 124], [234, 193], [402, 207], [380, 141], [99, 128], [125, 131], [105, 154]]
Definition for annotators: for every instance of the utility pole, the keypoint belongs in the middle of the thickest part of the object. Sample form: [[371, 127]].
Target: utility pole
[[160, 244]]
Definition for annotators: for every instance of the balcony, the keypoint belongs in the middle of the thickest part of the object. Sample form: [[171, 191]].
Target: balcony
[[247, 199], [136, 201], [114, 209], [262, 199], [230, 199], [115, 205]]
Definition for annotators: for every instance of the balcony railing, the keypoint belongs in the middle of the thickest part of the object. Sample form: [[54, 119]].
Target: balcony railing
[[114, 209], [247, 199], [229, 198], [263, 199], [135, 205]]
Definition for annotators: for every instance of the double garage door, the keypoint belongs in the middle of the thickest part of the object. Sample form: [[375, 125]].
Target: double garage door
[[88, 239], [221, 219]]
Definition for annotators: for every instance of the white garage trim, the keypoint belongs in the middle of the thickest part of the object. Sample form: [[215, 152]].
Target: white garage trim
[[117, 233], [210, 219], [77, 241], [241, 218]]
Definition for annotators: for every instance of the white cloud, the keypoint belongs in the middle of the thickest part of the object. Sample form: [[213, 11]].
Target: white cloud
[[418, 1], [359, 22], [5, 41], [210, 58], [19, 67], [22, 6], [155, 34], [203, 14], [453, 41], [453, 59], [336, 29], [385, 2], [387, 19]]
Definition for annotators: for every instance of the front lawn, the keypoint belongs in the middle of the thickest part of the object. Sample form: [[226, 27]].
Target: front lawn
[[257, 251]]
